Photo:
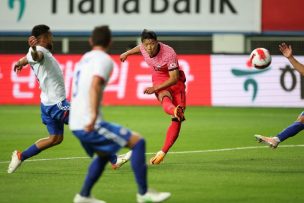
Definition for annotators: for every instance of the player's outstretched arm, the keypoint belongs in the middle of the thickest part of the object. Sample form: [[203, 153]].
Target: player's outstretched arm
[[36, 55], [287, 52], [124, 56], [19, 65]]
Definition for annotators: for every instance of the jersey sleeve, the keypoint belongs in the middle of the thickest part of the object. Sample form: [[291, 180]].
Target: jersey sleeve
[[29, 55], [141, 48], [103, 68], [172, 61]]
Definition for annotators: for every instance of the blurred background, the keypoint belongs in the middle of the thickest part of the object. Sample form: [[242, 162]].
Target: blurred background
[[213, 39]]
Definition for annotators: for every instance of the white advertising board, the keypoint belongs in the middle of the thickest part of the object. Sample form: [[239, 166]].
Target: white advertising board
[[132, 15], [235, 84]]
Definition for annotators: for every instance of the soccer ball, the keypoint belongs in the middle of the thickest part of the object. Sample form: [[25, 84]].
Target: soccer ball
[[260, 58]]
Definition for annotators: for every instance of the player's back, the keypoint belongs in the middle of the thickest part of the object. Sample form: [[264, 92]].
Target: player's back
[[93, 63]]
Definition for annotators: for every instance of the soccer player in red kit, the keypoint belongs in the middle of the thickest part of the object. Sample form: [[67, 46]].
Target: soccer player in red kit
[[168, 84]]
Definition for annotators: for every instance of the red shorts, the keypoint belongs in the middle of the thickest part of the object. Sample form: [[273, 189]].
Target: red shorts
[[178, 93]]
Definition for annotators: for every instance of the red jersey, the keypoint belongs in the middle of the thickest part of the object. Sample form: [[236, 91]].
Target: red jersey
[[162, 63]]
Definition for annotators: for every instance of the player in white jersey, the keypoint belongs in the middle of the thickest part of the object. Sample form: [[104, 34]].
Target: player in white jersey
[[54, 106], [96, 135]]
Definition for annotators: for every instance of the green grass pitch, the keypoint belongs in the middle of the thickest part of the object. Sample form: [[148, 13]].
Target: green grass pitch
[[245, 172]]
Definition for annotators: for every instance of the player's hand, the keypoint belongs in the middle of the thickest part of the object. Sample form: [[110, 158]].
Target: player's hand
[[150, 90], [286, 50], [89, 127], [123, 57], [18, 67], [32, 42]]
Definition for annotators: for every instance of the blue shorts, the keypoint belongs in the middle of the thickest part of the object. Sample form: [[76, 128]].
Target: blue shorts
[[108, 138], [55, 116]]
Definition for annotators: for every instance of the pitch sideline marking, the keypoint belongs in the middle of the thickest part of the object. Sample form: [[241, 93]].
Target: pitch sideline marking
[[181, 152]]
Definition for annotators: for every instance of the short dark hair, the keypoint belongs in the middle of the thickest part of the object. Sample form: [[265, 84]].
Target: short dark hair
[[39, 30], [101, 36], [148, 34]]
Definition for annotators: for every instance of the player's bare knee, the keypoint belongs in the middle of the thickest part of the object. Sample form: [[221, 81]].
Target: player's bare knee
[[163, 94], [134, 139], [59, 140], [55, 140]]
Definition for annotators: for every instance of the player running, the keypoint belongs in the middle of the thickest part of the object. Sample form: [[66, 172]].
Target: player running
[[298, 125], [168, 84], [54, 106], [96, 135]]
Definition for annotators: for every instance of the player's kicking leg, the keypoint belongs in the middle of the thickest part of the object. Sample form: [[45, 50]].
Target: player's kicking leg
[[177, 112], [273, 142]]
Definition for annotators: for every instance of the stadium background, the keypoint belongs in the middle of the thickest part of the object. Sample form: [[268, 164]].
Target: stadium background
[[212, 38]]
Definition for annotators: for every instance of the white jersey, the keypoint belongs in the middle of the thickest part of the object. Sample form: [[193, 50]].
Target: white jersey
[[93, 63], [49, 76]]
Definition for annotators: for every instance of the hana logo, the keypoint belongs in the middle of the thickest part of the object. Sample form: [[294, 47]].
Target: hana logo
[[11, 5], [249, 81]]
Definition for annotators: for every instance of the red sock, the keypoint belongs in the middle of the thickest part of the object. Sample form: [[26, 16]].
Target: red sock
[[168, 106], [172, 134]]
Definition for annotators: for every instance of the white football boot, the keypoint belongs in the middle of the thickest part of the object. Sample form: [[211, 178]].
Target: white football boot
[[273, 142], [15, 162], [81, 199], [121, 160], [153, 196]]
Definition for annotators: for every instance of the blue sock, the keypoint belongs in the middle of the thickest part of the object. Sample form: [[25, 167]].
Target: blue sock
[[29, 152], [113, 159], [290, 131], [138, 162], [95, 170]]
